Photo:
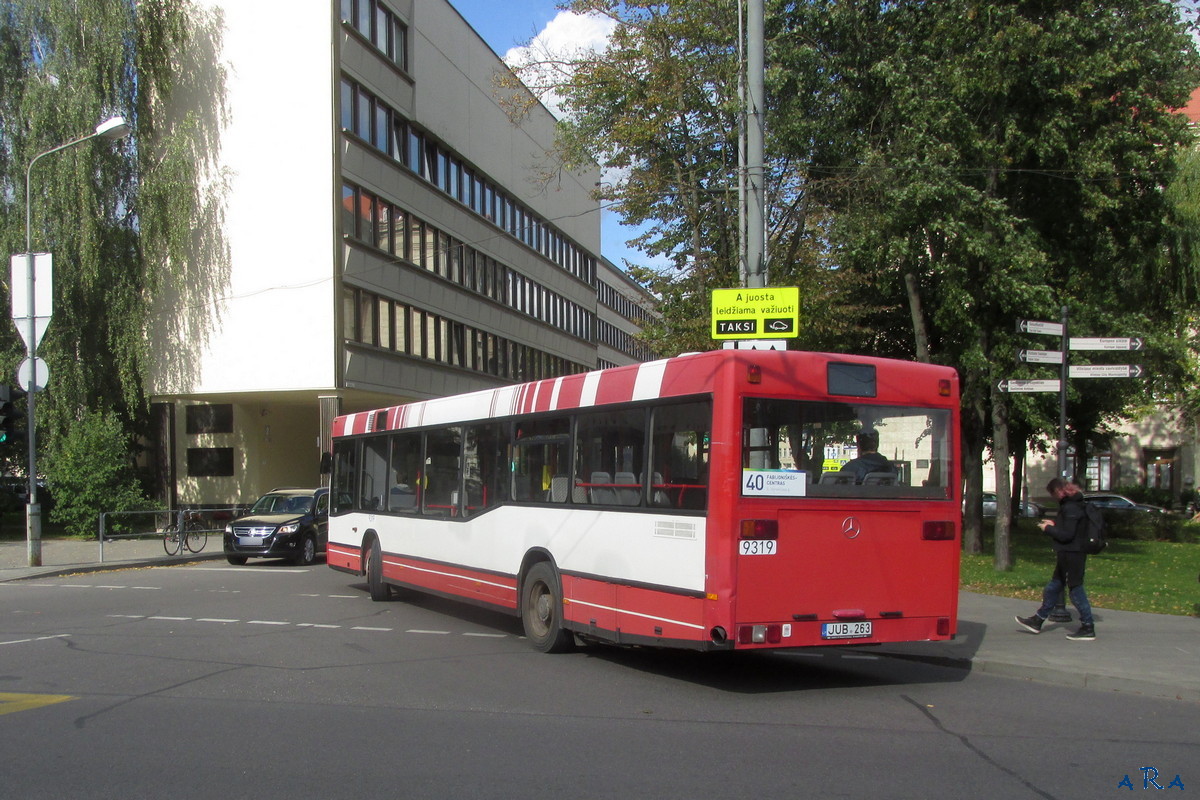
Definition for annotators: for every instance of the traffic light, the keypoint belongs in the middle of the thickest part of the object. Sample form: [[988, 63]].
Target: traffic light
[[8, 413]]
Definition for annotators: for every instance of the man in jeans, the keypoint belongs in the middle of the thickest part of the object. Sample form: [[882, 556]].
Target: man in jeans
[[1069, 535]]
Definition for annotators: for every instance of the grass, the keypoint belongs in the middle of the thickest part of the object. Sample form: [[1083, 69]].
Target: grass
[[1131, 575]]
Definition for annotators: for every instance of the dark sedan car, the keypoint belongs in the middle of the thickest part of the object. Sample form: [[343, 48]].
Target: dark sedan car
[[283, 523], [1119, 504]]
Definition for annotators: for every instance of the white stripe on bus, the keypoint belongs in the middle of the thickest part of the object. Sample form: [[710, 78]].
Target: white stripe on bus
[[450, 575], [572, 601]]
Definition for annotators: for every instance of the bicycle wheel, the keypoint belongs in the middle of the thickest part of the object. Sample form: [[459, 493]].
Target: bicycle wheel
[[197, 537], [172, 542]]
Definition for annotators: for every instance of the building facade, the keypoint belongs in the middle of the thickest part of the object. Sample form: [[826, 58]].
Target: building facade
[[380, 236]]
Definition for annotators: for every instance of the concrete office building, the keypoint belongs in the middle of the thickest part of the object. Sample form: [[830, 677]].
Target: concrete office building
[[379, 237]]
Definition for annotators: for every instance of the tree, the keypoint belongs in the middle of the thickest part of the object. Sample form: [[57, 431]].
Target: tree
[[659, 110], [989, 162], [115, 216], [91, 472]]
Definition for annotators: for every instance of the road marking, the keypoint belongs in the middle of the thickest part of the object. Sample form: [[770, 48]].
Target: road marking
[[37, 639], [23, 702], [282, 623]]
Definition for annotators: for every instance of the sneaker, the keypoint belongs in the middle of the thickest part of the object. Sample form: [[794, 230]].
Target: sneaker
[[1032, 623], [1086, 633]]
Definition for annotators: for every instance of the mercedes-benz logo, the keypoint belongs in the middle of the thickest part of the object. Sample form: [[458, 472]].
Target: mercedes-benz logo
[[851, 527]]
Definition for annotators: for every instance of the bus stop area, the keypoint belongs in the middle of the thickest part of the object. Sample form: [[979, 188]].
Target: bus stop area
[[1149, 654]]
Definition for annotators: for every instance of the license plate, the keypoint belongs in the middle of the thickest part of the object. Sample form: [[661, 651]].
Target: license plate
[[250, 541], [758, 547], [845, 630]]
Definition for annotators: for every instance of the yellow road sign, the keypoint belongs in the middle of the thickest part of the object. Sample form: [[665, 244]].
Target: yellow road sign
[[10, 703], [770, 313]]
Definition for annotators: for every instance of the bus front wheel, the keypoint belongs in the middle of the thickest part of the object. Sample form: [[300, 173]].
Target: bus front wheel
[[541, 610], [375, 585]]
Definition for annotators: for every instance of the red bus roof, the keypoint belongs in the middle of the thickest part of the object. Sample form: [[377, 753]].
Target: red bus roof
[[782, 372]]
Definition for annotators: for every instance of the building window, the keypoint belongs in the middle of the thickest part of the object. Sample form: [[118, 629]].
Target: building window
[[216, 418], [210, 462]]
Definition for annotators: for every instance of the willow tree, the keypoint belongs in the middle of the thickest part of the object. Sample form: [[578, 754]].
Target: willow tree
[[112, 214]]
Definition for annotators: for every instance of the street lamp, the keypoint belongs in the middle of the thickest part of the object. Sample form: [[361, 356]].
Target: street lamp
[[113, 128]]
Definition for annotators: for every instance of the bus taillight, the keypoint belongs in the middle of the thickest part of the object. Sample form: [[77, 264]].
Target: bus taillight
[[760, 634], [754, 374], [760, 529], [937, 531], [944, 388]]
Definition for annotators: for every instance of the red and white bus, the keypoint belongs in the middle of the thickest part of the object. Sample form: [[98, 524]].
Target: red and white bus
[[696, 502]]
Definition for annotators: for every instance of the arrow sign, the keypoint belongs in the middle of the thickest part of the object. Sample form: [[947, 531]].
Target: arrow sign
[[1040, 356], [1013, 385], [1033, 326], [1107, 371], [1101, 343]]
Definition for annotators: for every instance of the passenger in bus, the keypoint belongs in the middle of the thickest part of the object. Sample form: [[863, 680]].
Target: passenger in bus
[[402, 495], [869, 458]]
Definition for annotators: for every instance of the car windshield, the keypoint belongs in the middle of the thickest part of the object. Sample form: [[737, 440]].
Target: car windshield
[[281, 504]]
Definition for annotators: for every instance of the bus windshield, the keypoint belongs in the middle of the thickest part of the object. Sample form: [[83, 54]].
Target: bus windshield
[[850, 449]]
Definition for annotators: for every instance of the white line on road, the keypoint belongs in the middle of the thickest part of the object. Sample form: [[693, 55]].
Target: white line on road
[[38, 639]]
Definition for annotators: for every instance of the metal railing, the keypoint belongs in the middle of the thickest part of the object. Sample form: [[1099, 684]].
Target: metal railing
[[115, 525]]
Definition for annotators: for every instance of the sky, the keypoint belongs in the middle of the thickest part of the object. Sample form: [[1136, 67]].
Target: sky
[[507, 26]]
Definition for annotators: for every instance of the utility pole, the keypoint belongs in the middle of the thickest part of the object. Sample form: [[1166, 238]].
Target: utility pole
[[755, 234]]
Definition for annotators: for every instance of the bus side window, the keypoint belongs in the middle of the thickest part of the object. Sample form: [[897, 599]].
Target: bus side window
[[679, 439]]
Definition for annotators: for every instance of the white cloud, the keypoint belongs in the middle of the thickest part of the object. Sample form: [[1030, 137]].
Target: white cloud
[[567, 36]]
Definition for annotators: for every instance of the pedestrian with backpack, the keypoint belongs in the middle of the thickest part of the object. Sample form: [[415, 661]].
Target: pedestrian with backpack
[[1069, 532]]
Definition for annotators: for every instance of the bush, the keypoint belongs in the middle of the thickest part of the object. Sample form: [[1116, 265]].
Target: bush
[[91, 472]]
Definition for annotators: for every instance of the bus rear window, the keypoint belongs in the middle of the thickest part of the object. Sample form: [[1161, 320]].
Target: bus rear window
[[849, 449]]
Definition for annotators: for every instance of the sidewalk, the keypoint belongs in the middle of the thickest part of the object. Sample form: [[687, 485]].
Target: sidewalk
[[1150, 654]]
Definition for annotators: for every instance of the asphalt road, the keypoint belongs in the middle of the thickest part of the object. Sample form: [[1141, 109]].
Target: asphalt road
[[208, 681]]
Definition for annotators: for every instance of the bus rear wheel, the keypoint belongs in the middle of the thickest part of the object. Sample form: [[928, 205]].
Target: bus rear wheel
[[541, 610]]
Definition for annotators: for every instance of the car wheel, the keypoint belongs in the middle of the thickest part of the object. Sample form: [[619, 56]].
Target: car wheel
[[237, 561], [308, 551]]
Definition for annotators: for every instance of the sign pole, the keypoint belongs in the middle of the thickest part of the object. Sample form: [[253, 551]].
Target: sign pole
[[1064, 372]]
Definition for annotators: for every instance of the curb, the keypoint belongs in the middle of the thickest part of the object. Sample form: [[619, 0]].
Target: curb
[[28, 573]]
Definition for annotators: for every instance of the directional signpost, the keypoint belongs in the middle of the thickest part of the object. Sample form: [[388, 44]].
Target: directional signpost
[[1068, 370], [1014, 385]]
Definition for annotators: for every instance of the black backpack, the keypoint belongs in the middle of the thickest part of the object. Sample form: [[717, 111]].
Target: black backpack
[[1093, 529]]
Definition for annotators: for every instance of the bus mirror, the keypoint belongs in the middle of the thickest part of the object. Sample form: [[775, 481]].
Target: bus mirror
[[326, 463]]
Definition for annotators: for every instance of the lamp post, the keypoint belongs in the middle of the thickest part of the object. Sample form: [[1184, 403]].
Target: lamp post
[[112, 129]]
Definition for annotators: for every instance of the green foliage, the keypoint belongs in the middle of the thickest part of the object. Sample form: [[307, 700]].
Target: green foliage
[[91, 473], [113, 214]]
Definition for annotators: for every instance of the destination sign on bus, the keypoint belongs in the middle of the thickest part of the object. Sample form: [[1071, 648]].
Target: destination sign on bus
[[772, 312]]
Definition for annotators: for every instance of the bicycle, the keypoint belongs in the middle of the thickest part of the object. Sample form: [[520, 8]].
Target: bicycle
[[193, 536]]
